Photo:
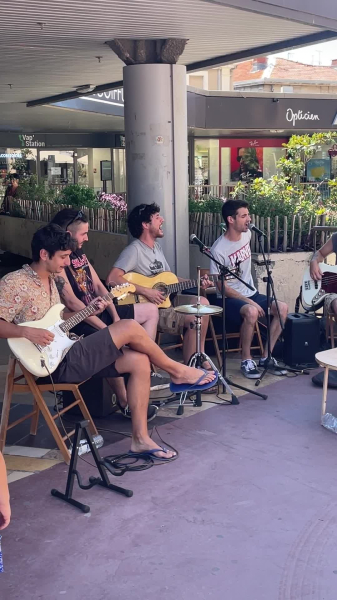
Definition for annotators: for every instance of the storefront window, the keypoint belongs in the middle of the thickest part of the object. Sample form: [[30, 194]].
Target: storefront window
[[224, 161], [119, 170], [83, 166], [206, 162], [16, 160], [99, 155], [57, 167]]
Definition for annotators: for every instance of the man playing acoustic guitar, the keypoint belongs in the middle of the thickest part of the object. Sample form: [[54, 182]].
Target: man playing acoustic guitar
[[145, 256], [28, 294]]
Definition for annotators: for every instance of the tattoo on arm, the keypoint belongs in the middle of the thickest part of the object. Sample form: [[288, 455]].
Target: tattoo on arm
[[60, 283]]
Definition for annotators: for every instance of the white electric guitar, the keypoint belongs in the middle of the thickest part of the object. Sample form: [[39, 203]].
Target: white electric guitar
[[40, 361], [314, 292]]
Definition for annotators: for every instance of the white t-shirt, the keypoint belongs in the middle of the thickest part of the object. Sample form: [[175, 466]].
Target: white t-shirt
[[233, 254], [140, 258]]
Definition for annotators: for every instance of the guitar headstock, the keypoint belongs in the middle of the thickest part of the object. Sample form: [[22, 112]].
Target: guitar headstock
[[121, 291]]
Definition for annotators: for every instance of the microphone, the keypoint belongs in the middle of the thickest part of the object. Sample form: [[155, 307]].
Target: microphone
[[258, 231], [195, 240]]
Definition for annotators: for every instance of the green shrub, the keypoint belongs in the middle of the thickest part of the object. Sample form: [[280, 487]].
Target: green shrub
[[77, 195]]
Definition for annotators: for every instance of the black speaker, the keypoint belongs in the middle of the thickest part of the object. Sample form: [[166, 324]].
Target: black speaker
[[97, 394], [301, 339]]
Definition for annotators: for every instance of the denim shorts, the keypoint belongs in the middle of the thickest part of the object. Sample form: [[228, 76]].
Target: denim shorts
[[233, 307]]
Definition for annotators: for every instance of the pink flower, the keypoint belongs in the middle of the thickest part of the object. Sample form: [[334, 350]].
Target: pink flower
[[115, 201]]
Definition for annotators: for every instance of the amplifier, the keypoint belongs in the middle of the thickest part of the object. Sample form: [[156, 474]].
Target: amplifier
[[97, 394], [301, 339]]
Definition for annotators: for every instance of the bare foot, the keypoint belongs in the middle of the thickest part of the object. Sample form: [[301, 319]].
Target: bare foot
[[191, 375], [206, 365], [149, 444]]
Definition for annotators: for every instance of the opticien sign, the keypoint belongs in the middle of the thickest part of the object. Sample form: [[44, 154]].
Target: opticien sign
[[300, 116]]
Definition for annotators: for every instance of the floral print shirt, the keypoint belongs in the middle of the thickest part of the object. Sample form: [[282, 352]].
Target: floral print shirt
[[23, 297]]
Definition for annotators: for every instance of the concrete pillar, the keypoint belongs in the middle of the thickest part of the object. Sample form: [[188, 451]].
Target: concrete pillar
[[156, 151]]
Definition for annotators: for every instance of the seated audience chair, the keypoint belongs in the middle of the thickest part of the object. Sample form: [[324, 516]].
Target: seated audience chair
[[28, 384]]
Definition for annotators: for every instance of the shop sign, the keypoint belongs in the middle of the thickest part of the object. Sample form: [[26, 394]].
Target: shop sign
[[11, 155], [110, 97], [31, 141], [299, 115]]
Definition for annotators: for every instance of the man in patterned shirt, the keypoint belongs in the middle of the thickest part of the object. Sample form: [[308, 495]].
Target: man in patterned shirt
[[29, 293]]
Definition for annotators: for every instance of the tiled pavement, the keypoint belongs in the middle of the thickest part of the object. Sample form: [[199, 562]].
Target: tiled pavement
[[23, 457]]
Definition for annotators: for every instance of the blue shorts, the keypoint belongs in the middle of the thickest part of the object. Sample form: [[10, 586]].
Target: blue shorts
[[233, 307]]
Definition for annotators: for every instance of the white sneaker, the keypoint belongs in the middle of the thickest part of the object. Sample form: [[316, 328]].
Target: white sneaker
[[249, 369], [273, 366]]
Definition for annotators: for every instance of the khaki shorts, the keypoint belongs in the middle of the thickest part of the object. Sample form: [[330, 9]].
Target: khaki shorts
[[328, 301], [171, 321]]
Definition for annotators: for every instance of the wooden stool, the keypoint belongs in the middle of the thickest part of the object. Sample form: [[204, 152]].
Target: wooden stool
[[328, 360], [330, 328], [13, 386]]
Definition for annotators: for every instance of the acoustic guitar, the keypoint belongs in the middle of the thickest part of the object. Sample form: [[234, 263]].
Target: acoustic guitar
[[40, 361], [166, 282]]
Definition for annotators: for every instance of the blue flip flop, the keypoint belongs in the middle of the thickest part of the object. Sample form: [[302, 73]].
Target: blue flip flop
[[151, 454], [178, 388]]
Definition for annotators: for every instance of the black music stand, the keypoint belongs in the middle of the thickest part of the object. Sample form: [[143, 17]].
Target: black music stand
[[223, 272]]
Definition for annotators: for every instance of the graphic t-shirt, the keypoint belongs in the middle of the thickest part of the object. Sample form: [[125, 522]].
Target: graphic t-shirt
[[235, 254], [140, 258], [79, 276]]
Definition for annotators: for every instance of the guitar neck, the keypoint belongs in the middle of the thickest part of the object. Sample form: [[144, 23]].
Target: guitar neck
[[86, 312], [175, 288]]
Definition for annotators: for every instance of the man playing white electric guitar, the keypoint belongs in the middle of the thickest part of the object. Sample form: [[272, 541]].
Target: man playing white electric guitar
[[29, 293], [330, 246]]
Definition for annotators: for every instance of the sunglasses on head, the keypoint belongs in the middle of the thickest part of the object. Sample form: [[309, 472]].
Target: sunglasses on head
[[79, 216]]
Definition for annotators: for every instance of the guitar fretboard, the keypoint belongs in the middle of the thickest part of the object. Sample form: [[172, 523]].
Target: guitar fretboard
[[174, 288], [82, 314]]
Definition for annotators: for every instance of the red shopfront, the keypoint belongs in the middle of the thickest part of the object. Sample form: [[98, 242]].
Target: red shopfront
[[221, 161]]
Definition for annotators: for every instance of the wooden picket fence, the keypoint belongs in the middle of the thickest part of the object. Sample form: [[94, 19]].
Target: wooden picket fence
[[100, 219], [283, 234]]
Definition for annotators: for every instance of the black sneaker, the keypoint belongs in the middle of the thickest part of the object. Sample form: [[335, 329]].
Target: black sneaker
[[159, 382], [151, 412], [273, 366], [249, 369]]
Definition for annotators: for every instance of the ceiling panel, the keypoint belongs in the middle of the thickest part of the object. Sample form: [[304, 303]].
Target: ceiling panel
[[62, 55], [50, 119]]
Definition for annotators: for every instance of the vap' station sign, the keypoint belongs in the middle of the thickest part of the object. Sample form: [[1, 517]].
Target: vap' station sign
[[31, 141]]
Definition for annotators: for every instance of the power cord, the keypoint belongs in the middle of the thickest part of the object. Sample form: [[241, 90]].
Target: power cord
[[126, 462]]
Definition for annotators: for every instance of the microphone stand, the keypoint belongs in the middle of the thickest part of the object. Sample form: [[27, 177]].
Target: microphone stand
[[270, 293], [223, 272]]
